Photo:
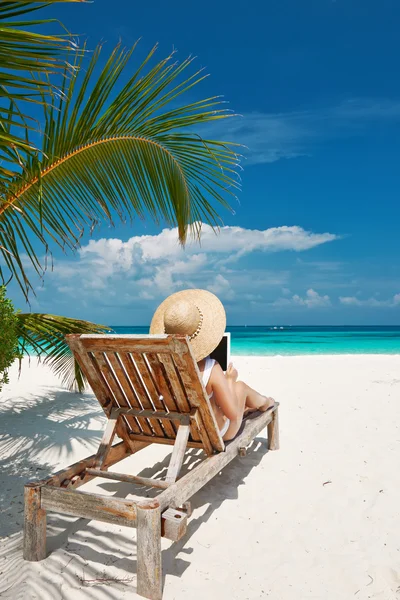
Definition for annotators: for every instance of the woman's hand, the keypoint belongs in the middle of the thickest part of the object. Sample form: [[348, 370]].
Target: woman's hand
[[231, 373]]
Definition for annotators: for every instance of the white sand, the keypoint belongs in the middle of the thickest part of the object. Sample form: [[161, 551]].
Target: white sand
[[267, 527]]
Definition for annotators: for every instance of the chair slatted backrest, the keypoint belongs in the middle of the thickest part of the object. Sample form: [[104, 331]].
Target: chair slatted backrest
[[149, 373]]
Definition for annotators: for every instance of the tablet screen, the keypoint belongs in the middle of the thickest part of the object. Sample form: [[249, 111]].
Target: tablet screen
[[222, 352]]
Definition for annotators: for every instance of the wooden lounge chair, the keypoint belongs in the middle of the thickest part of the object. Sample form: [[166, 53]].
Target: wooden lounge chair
[[151, 390]]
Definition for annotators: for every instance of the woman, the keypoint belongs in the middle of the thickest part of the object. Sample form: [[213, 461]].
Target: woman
[[201, 316]]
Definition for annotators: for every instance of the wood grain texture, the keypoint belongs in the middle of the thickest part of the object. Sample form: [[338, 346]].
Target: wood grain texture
[[146, 481], [178, 390], [153, 373], [178, 453], [161, 398], [125, 387], [198, 430], [187, 508], [125, 343], [149, 568], [104, 366], [107, 439], [175, 383], [189, 484], [157, 414], [139, 398], [173, 524], [164, 440], [151, 399], [273, 431], [117, 452], [198, 397], [112, 458], [34, 548], [90, 506], [96, 382]]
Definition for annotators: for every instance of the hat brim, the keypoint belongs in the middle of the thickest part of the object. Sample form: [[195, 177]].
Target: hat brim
[[213, 325]]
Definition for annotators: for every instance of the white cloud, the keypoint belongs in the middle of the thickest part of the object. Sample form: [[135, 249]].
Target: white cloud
[[222, 288], [370, 302], [272, 136], [160, 261], [138, 272], [236, 241], [312, 299]]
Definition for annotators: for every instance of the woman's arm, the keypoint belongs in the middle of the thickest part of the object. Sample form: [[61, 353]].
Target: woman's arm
[[223, 387]]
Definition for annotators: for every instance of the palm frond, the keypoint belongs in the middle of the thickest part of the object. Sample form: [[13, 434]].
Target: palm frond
[[111, 150], [44, 336], [23, 54]]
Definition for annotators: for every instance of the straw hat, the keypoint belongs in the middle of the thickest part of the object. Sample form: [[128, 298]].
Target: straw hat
[[195, 313]]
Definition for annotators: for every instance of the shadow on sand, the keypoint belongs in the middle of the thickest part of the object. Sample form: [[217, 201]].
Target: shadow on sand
[[83, 551]]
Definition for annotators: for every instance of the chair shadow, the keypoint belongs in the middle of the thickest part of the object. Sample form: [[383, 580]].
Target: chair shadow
[[224, 486], [56, 420]]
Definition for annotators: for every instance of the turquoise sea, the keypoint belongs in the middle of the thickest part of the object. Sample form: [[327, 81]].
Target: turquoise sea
[[284, 340]]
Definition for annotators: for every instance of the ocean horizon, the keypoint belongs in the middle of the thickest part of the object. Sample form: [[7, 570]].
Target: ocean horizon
[[285, 340]]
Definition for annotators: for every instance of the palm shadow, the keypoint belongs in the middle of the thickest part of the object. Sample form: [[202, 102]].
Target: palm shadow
[[51, 425], [55, 422]]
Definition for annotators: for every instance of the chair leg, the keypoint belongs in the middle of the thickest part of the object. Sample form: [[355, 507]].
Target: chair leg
[[149, 568], [273, 431], [34, 525]]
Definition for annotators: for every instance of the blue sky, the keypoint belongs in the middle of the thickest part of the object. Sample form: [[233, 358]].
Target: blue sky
[[315, 237]]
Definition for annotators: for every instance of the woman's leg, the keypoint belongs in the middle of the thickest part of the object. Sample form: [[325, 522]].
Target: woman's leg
[[249, 399], [254, 400]]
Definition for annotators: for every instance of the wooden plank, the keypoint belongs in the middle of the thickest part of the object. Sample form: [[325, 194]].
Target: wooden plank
[[139, 398], [157, 414], [177, 493], [178, 453], [96, 381], [124, 343], [198, 397], [90, 506], [156, 483], [176, 385], [116, 453], [273, 431], [115, 387], [163, 385], [163, 399], [97, 384], [148, 390], [186, 508], [149, 568], [107, 439], [178, 389], [151, 337], [152, 393], [173, 524], [163, 440], [198, 427], [123, 382], [34, 524]]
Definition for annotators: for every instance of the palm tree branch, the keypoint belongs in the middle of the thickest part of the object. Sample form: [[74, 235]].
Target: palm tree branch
[[44, 335], [63, 159]]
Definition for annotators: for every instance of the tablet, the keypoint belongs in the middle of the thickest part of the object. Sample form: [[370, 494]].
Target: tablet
[[222, 353]]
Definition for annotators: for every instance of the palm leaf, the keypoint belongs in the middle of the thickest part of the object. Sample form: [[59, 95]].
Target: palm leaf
[[44, 335], [23, 54], [117, 151]]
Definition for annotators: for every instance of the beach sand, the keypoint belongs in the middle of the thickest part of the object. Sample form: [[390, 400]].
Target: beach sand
[[318, 519]]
